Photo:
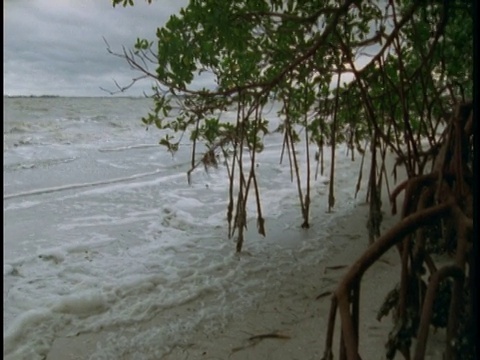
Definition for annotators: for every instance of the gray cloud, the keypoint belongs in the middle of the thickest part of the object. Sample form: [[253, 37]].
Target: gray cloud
[[57, 47]]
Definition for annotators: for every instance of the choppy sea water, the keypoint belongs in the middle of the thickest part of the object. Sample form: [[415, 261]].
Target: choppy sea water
[[103, 231]]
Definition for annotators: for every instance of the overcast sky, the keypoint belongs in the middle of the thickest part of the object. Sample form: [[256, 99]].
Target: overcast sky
[[56, 47]]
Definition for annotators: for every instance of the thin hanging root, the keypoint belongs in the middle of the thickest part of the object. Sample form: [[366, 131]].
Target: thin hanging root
[[464, 230], [260, 219], [231, 179], [307, 195], [331, 194], [317, 166], [443, 195], [427, 312], [289, 151], [359, 181], [350, 339], [328, 354], [322, 162], [453, 320], [303, 206], [419, 254], [383, 172]]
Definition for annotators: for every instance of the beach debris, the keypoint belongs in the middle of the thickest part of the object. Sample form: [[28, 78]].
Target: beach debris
[[255, 339], [334, 267], [323, 294], [268, 336]]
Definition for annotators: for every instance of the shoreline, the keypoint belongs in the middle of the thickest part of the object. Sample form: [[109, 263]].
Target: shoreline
[[284, 323], [292, 326], [290, 323]]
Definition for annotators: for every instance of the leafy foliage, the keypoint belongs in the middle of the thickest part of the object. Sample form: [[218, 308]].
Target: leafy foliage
[[411, 62]]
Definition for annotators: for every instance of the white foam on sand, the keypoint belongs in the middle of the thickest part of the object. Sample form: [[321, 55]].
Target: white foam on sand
[[111, 256]]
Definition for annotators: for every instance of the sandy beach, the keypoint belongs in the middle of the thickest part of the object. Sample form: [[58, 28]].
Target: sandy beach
[[299, 314], [289, 324]]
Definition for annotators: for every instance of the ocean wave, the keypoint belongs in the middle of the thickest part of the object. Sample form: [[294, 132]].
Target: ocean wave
[[37, 164], [84, 185], [128, 147], [18, 129], [115, 124]]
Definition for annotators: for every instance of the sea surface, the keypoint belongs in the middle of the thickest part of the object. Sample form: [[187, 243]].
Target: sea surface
[[102, 231]]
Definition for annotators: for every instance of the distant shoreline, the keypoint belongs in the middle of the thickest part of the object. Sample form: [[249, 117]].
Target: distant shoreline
[[72, 97]]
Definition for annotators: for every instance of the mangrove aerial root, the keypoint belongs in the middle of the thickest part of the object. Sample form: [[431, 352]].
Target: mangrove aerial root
[[436, 224]]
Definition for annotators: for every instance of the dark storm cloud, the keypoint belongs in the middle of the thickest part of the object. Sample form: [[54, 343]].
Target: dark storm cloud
[[57, 47]]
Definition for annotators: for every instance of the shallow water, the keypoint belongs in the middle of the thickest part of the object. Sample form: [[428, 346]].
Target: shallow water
[[102, 230]]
